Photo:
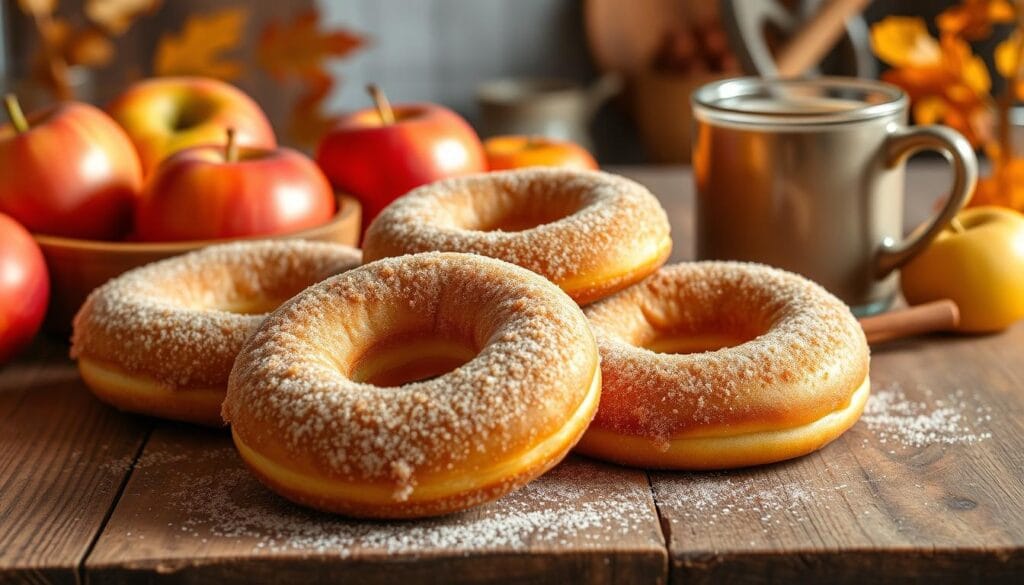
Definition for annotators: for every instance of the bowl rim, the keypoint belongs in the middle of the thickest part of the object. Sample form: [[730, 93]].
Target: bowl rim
[[347, 205]]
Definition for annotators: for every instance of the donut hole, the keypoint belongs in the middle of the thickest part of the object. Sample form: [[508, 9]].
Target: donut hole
[[249, 287], [242, 299], [250, 306], [511, 211], [520, 221], [690, 319], [407, 358], [686, 342]]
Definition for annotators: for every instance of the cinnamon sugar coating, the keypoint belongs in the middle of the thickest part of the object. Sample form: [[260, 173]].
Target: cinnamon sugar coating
[[292, 396], [589, 232], [174, 321], [802, 355]]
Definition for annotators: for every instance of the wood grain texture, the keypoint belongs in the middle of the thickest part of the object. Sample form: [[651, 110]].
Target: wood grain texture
[[63, 458], [928, 487], [192, 513], [944, 508]]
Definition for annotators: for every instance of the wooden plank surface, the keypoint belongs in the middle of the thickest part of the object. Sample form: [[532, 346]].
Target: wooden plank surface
[[929, 485], [192, 513], [63, 459]]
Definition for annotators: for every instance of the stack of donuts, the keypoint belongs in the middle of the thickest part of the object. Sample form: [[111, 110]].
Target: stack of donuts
[[490, 324]]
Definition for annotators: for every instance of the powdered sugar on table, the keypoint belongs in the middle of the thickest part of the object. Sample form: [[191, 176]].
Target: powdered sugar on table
[[949, 420], [586, 503]]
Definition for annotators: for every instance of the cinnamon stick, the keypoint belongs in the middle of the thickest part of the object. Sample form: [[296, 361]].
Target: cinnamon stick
[[940, 315]]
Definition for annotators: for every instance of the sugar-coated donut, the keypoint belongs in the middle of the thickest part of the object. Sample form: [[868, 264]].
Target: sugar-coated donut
[[161, 339], [589, 232], [714, 365], [414, 386]]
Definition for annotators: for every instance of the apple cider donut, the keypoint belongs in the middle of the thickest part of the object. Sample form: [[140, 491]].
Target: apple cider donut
[[414, 386], [714, 365], [589, 232], [161, 339]]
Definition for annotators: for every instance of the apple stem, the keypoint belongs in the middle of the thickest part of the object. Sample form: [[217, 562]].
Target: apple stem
[[957, 226], [231, 148], [14, 112], [387, 115]]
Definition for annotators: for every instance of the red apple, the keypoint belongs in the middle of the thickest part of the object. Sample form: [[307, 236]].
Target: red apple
[[167, 114], [379, 154], [214, 192], [24, 287], [68, 171]]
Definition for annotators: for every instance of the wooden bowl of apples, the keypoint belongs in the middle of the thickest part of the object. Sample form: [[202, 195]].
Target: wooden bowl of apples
[[172, 165], [78, 266]]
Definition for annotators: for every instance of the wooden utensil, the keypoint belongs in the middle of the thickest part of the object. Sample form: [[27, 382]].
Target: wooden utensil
[[816, 37], [941, 315]]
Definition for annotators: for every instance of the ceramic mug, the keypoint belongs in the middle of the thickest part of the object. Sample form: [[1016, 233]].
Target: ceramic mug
[[808, 175]]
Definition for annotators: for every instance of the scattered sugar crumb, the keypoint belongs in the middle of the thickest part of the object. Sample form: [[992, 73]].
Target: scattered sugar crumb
[[952, 420], [117, 466], [719, 495], [556, 509]]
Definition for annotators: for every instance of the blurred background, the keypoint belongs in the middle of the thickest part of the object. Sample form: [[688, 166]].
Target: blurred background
[[630, 64]]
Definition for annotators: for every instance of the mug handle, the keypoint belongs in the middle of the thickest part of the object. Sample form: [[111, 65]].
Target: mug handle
[[901, 144]]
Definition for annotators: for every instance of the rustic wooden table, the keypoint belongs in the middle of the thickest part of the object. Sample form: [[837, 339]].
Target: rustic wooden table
[[928, 486]]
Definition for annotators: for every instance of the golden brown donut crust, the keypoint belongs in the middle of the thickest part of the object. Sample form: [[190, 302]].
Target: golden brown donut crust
[[309, 429], [174, 325], [590, 232], [801, 355]]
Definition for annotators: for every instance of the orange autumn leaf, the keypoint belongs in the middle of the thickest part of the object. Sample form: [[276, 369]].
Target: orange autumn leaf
[[1006, 55], [308, 121], [301, 48], [115, 16], [1004, 186], [963, 66], [946, 82], [904, 41], [37, 7], [76, 46], [90, 47], [200, 48], [1007, 58], [973, 19]]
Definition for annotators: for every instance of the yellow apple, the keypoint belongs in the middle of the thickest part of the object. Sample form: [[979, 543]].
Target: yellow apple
[[978, 261], [165, 115]]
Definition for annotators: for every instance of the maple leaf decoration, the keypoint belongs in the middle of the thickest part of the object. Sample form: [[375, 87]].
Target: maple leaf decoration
[[301, 48], [300, 51], [199, 48], [37, 7], [116, 16]]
